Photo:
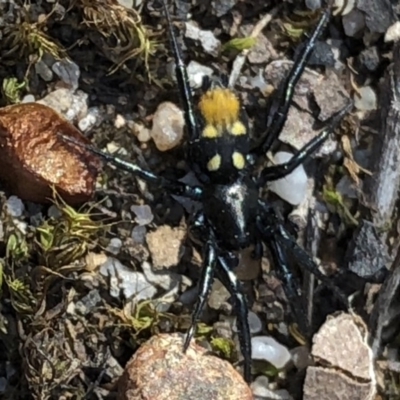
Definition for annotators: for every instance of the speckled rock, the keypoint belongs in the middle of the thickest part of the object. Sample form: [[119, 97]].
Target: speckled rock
[[344, 367], [160, 371]]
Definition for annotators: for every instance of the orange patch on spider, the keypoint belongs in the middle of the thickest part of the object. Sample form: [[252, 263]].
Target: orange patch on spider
[[219, 107]]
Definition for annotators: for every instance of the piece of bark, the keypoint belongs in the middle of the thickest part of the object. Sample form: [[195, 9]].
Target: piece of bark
[[381, 189]]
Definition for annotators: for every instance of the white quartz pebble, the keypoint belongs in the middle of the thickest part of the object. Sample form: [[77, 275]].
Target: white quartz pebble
[[168, 124], [268, 349], [292, 188]]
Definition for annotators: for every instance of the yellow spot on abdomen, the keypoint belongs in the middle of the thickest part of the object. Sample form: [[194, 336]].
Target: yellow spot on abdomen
[[210, 132], [219, 107], [238, 160], [214, 163], [238, 129]]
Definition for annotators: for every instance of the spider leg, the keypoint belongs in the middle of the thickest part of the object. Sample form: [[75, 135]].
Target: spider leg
[[291, 285], [305, 261], [183, 81], [280, 239], [206, 280], [230, 281], [279, 171], [276, 123], [174, 187]]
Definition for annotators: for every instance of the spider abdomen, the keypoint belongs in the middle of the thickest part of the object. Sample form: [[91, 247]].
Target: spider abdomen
[[231, 210]]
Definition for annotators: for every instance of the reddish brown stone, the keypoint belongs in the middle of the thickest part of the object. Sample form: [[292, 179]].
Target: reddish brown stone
[[33, 158], [160, 371]]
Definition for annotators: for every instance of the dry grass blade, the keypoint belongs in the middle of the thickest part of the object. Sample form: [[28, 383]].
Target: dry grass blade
[[123, 26], [67, 238], [27, 38]]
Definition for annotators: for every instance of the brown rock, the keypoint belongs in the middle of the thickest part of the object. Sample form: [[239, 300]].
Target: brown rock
[[160, 371], [33, 158]]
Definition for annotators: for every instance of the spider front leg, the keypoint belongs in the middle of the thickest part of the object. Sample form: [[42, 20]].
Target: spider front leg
[[174, 187], [286, 91], [183, 81]]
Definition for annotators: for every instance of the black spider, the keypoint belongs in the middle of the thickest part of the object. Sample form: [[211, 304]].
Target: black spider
[[233, 216]]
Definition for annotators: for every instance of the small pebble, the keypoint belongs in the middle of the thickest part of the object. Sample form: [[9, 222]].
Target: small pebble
[[189, 297], [366, 99], [114, 246], [353, 23], [87, 123], [29, 98], [143, 134], [54, 212], [113, 147], [131, 283], [88, 302], [369, 59], [268, 349], [261, 381], [261, 390], [259, 81], [393, 33], [139, 234], [43, 71], [254, 323], [119, 121], [68, 72], [168, 124], [126, 3], [15, 206], [196, 74], [144, 215], [293, 187], [70, 104], [166, 280], [301, 357], [220, 8], [209, 42], [219, 296]]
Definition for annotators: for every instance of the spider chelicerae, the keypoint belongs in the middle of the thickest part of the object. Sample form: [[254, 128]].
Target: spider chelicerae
[[233, 216]]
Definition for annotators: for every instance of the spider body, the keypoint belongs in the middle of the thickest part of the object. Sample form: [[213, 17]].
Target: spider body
[[219, 157], [233, 216], [231, 211]]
